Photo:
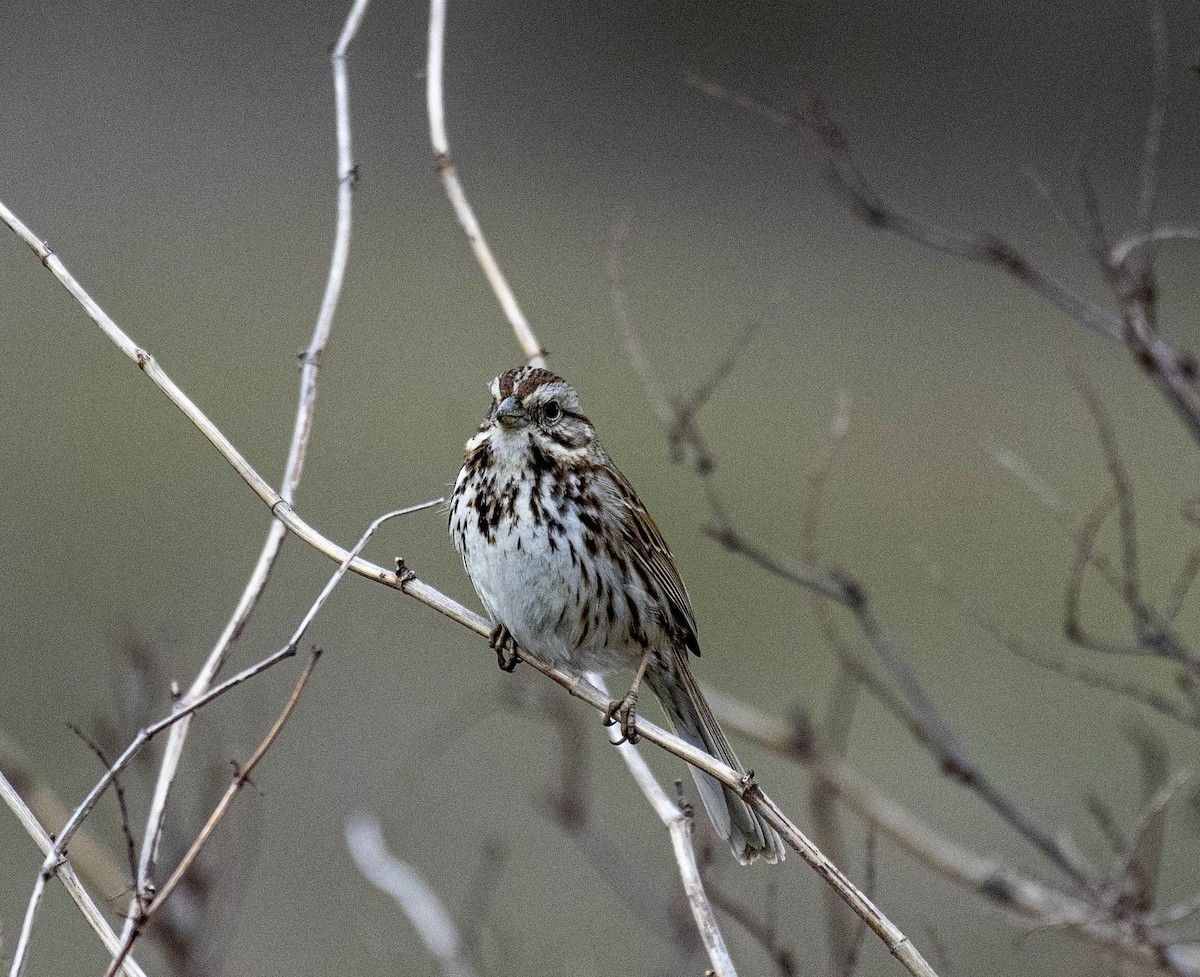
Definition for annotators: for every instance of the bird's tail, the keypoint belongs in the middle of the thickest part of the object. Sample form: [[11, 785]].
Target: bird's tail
[[748, 834]]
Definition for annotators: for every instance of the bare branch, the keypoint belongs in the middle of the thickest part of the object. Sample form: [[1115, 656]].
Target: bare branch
[[762, 931], [850, 183], [1084, 555], [435, 105], [302, 427], [130, 848], [1135, 876], [1005, 886], [1122, 251], [66, 874], [241, 778], [850, 961], [1152, 143], [1122, 490], [415, 897], [1090, 677], [56, 857], [679, 826]]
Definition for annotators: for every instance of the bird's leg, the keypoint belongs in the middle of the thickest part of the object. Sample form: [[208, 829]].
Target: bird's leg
[[505, 646], [624, 711]]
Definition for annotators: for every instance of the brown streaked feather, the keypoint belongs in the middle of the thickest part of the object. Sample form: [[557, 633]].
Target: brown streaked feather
[[650, 552]]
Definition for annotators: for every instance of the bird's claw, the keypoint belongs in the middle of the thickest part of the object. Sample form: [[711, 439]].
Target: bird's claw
[[505, 646], [624, 712]]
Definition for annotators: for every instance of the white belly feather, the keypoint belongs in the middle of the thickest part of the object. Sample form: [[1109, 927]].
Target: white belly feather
[[535, 586]]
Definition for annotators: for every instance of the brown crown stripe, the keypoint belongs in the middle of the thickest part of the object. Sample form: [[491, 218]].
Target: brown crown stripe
[[524, 380]]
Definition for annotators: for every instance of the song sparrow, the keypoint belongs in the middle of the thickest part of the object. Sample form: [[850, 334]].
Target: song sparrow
[[571, 568]]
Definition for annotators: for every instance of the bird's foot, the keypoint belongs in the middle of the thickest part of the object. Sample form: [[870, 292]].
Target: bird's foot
[[505, 646], [624, 712]]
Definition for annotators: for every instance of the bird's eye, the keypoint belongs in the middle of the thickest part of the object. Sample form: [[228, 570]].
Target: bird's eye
[[552, 411]]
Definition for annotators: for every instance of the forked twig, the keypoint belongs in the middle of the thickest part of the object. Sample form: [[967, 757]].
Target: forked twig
[[848, 181], [66, 874], [241, 778], [55, 857]]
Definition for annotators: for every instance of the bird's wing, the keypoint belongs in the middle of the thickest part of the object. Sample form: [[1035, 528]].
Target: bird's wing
[[650, 553]]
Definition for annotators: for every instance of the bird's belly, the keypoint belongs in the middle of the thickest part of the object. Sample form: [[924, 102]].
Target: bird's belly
[[538, 591]]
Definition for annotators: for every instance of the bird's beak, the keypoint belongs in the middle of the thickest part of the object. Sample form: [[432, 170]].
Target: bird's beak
[[510, 413]]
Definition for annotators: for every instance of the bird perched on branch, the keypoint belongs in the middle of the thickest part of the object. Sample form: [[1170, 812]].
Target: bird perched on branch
[[573, 570]]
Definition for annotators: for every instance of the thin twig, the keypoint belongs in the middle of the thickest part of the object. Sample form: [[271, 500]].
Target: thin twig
[[1050, 198], [93, 861], [848, 181], [1085, 549], [1122, 251], [870, 877], [1177, 913], [435, 105], [679, 826], [1003, 885], [1060, 665], [1152, 143], [415, 897], [241, 778], [119, 790], [1139, 863], [1156, 632], [1122, 490], [66, 874], [310, 361], [762, 931], [55, 858]]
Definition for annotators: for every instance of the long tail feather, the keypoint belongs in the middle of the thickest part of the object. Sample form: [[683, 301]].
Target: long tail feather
[[748, 834]]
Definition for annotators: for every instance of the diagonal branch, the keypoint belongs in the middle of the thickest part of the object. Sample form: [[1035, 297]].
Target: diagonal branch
[[1006, 887], [679, 825], [75, 888], [850, 183]]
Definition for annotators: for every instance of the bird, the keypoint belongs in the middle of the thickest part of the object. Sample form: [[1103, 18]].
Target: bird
[[572, 569]]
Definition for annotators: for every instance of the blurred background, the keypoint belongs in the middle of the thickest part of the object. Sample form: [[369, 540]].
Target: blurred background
[[180, 158]]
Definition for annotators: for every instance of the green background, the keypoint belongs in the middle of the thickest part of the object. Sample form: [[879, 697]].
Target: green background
[[180, 159]]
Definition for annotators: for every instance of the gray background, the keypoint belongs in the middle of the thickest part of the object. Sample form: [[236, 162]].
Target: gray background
[[180, 158]]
